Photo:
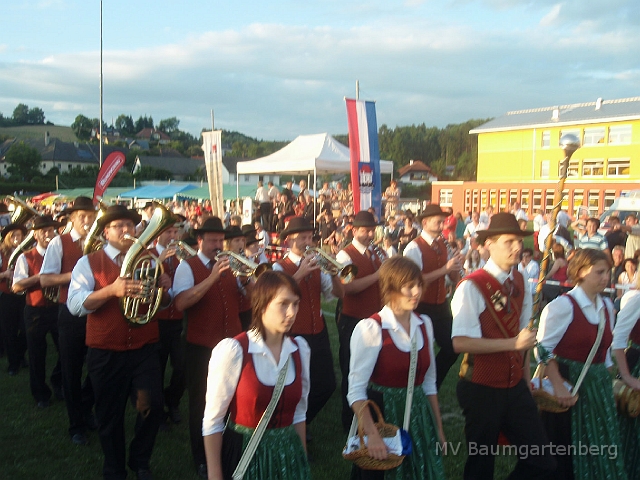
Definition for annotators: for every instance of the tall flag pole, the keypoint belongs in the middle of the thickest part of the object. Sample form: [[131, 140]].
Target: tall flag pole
[[364, 152]]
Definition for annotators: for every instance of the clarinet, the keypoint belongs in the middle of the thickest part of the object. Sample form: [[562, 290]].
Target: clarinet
[[451, 253]]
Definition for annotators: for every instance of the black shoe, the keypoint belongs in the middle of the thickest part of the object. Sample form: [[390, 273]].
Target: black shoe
[[80, 439], [174, 415], [90, 421], [44, 404], [13, 372], [58, 392], [144, 474], [202, 471]]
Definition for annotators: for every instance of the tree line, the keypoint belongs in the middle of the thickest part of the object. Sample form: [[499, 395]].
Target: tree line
[[23, 115]]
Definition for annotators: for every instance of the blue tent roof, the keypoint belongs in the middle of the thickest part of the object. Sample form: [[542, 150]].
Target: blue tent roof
[[157, 191]]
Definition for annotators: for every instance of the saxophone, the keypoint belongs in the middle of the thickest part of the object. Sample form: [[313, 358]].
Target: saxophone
[[140, 264]]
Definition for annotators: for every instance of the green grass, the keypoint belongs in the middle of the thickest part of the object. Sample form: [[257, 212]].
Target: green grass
[[25, 132], [34, 443]]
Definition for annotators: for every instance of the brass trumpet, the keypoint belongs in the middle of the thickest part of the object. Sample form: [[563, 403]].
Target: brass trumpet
[[330, 266], [241, 266], [183, 251]]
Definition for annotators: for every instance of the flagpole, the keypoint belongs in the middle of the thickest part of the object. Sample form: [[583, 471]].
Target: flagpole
[[357, 89], [100, 84]]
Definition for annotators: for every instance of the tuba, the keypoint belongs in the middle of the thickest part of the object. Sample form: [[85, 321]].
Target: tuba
[[330, 266], [94, 240], [22, 213], [241, 266], [138, 264]]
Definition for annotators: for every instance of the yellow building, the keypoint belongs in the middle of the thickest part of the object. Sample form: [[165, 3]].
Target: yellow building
[[519, 158]]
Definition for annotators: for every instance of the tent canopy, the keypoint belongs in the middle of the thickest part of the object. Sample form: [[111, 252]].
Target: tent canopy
[[229, 192], [157, 191], [307, 153]]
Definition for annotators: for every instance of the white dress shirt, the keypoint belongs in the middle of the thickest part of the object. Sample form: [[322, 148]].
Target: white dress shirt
[[83, 283], [366, 343], [21, 270], [531, 273], [183, 279], [345, 259], [412, 250], [225, 367], [558, 315], [627, 318], [326, 285], [468, 303], [52, 262]]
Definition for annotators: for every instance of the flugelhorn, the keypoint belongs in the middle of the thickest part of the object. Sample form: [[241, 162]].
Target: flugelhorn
[[140, 264], [330, 266], [183, 251], [241, 266]]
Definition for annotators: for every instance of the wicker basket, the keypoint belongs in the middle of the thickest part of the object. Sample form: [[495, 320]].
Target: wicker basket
[[361, 456], [545, 401]]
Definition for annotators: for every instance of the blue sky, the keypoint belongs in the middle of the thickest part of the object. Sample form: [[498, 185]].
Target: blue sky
[[278, 69]]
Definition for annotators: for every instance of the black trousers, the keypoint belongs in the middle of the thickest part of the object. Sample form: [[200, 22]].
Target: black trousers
[[12, 325], [117, 377], [172, 347], [266, 211], [78, 395], [197, 368], [512, 411], [442, 319], [321, 374], [346, 325], [40, 321]]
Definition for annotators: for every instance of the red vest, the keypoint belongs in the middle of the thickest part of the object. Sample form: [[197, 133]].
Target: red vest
[[71, 253], [500, 369], [35, 298], [309, 320], [392, 366], [367, 302], [216, 315], [434, 256], [252, 397], [4, 284], [106, 327], [578, 339], [170, 264]]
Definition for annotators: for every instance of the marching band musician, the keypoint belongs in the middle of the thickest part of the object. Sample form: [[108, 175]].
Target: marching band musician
[[235, 241], [170, 327], [491, 310], [310, 323], [40, 314], [252, 249], [206, 290], [122, 358], [11, 305], [361, 296], [429, 252], [61, 256]]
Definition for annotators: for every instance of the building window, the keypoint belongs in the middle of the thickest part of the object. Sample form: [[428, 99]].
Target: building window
[[483, 199], [446, 197], [549, 204], [492, 198], [513, 197], [502, 201], [524, 200], [619, 134], [594, 203], [474, 201], [467, 199], [572, 131], [609, 198], [593, 167], [577, 201], [546, 139], [593, 136], [537, 200], [247, 178], [618, 167], [565, 200], [544, 169]]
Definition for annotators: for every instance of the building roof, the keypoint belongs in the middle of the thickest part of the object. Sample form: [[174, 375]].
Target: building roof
[[623, 109], [231, 163], [176, 165], [147, 132], [59, 151], [413, 166]]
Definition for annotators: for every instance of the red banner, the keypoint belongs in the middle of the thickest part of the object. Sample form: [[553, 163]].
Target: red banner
[[112, 164]]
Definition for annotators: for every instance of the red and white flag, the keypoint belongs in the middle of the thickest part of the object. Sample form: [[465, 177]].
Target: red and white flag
[[110, 167], [212, 146]]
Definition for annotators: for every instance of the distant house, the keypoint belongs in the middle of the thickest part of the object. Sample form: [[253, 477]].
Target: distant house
[[153, 135], [56, 153], [416, 173], [230, 171], [138, 144]]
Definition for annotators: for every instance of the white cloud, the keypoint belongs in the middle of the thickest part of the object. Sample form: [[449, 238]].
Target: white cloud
[[551, 17]]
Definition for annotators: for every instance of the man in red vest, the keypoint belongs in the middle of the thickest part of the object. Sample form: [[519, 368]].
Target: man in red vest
[[122, 358], [170, 327], [429, 251], [40, 314], [310, 323], [206, 290], [62, 255], [491, 310], [361, 296]]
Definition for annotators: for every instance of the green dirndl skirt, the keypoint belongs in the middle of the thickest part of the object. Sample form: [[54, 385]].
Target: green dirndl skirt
[[279, 456], [424, 462], [630, 429], [594, 425]]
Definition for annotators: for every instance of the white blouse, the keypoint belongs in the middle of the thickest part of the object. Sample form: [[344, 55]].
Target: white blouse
[[225, 367], [558, 315], [366, 343], [627, 318]]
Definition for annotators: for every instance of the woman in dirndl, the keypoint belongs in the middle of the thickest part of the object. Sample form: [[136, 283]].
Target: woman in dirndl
[[568, 329], [379, 371], [626, 350], [242, 374]]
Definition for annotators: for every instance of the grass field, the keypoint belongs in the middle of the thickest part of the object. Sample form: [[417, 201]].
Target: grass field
[[34, 443], [66, 134]]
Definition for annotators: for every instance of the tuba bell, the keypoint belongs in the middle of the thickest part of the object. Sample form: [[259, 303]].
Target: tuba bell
[[330, 266], [241, 266], [140, 264], [22, 213], [27, 243], [95, 241]]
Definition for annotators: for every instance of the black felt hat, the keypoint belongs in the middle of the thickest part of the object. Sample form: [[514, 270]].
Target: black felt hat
[[11, 227], [80, 203], [364, 219], [233, 232], [296, 225], [501, 224], [117, 212], [45, 221], [210, 225], [431, 210]]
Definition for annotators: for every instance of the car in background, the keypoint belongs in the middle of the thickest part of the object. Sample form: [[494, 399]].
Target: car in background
[[621, 208]]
